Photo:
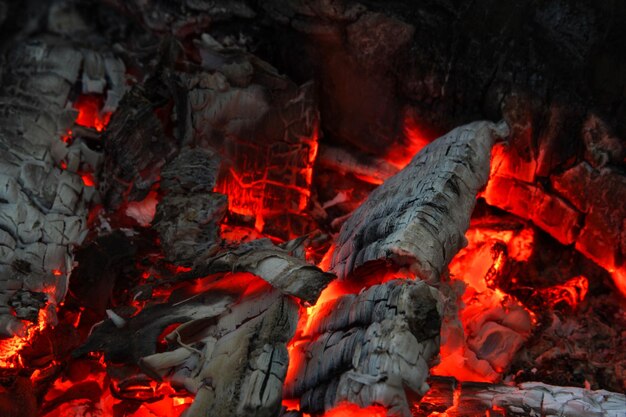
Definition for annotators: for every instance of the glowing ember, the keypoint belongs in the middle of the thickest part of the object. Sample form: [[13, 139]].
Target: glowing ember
[[487, 312], [572, 292], [143, 211], [619, 278], [401, 154], [252, 192], [89, 113], [87, 179], [352, 410], [67, 138], [10, 349]]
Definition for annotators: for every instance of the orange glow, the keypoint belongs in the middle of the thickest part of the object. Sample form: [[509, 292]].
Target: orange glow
[[401, 153], [619, 278], [252, 192], [572, 292], [67, 138], [10, 349], [56, 272], [87, 179], [477, 266], [352, 410], [89, 113]]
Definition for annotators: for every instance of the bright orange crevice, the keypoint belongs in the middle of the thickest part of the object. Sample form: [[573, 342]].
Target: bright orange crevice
[[352, 410], [89, 112]]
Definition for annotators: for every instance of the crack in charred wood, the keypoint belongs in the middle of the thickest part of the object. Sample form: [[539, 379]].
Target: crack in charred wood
[[291, 275], [368, 348], [418, 217], [43, 209]]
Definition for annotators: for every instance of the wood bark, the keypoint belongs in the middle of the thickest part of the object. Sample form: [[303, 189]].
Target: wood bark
[[43, 208], [418, 217], [368, 348]]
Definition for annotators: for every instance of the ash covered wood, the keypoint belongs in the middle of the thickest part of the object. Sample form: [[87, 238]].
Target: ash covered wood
[[43, 208], [292, 275], [239, 366], [263, 125], [369, 348], [526, 399], [418, 217], [229, 350], [189, 214]]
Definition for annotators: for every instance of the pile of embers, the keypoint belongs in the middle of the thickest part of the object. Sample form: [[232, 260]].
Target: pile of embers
[[176, 239]]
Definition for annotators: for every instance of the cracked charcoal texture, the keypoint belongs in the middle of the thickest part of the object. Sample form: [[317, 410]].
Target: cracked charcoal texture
[[368, 348], [43, 209], [418, 217]]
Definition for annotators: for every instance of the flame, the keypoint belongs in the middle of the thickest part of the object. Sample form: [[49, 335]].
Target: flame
[[89, 112]]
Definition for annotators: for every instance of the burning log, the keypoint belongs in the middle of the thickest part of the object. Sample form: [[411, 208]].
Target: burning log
[[292, 275], [229, 349], [418, 217], [361, 165], [529, 398], [368, 348], [44, 201], [263, 125]]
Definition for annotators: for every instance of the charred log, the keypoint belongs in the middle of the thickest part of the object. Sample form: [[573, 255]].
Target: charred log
[[530, 398], [263, 125], [418, 218], [368, 348], [135, 146], [43, 208]]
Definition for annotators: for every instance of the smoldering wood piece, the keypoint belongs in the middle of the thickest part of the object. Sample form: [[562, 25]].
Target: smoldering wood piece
[[189, 214], [138, 337], [529, 398], [193, 170], [189, 225], [43, 208], [265, 127], [135, 145], [418, 217], [291, 275], [235, 363], [351, 161], [368, 348]]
